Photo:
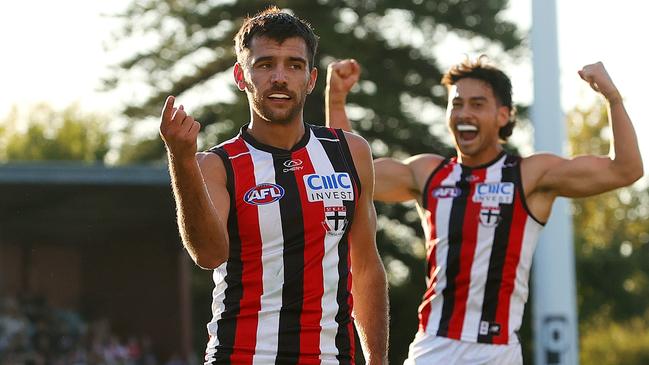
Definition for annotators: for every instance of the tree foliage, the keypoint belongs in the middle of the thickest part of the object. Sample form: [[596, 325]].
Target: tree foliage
[[48, 134], [612, 252], [186, 49]]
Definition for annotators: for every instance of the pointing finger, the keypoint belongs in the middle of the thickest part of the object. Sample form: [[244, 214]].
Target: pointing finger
[[168, 109]]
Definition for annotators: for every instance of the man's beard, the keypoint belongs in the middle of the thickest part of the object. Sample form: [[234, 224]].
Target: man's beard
[[273, 115]]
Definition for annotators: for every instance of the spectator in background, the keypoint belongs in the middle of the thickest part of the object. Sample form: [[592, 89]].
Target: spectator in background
[[33, 333]]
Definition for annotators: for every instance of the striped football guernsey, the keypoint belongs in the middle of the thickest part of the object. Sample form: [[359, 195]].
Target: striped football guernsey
[[480, 238], [284, 294]]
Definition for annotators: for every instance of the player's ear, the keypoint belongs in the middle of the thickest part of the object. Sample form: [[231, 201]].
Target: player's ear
[[313, 76], [239, 79], [503, 115]]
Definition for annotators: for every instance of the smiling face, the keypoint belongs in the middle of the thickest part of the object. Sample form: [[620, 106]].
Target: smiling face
[[474, 117], [276, 78]]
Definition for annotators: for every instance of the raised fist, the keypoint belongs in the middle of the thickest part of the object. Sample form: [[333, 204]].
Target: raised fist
[[599, 79], [342, 75]]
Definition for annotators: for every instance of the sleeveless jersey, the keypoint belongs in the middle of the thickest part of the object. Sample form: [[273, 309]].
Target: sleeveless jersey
[[284, 294], [480, 239]]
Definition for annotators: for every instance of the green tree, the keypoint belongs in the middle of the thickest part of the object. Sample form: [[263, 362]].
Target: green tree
[[612, 253], [48, 134], [187, 50], [186, 47]]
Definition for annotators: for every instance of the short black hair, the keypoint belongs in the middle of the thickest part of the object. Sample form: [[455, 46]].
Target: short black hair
[[494, 77], [276, 25]]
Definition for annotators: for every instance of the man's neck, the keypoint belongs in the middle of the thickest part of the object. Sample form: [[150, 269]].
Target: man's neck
[[482, 158], [278, 135]]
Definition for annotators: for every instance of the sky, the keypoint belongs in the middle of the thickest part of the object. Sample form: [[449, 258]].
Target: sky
[[53, 51]]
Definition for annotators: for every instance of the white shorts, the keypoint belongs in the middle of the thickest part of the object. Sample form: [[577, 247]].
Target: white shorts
[[427, 349]]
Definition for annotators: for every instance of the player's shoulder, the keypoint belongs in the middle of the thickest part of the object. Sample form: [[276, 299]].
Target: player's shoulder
[[535, 167], [210, 156], [356, 143], [210, 161], [421, 167], [540, 162]]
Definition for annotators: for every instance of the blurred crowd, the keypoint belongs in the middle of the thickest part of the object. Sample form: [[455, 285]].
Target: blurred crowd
[[33, 333]]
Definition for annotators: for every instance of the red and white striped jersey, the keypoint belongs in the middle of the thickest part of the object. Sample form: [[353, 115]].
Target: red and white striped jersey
[[480, 239], [284, 294]]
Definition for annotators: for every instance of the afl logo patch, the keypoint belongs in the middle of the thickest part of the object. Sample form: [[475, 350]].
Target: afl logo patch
[[447, 192], [265, 193]]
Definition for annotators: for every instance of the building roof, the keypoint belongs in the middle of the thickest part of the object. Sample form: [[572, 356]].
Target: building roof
[[82, 174], [85, 204]]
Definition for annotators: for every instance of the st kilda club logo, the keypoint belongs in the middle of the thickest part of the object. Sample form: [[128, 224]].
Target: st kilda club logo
[[335, 220]]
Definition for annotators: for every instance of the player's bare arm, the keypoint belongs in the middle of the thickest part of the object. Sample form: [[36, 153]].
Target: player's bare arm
[[201, 224], [369, 285], [401, 181], [341, 77], [396, 181], [548, 176]]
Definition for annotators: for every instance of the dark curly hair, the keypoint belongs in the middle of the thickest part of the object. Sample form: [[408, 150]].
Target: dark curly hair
[[494, 77], [276, 25]]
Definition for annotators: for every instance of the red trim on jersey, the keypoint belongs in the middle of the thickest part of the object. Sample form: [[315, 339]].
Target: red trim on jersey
[[431, 258], [470, 225], [313, 287], [251, 278], [512, 258]]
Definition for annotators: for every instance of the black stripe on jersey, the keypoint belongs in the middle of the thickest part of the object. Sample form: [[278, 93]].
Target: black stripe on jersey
[[343, 337], [455, 226], [498, 252], [227, 325], [288, 348], [424, 199], [521, 192], [347, 157], [334, 151], [424, 202]]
